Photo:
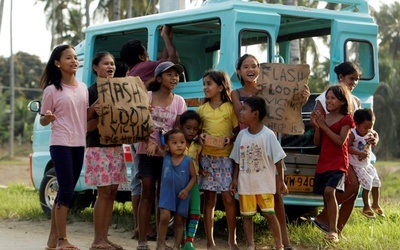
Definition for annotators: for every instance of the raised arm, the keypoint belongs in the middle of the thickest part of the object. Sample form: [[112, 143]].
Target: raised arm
[[169, 51]]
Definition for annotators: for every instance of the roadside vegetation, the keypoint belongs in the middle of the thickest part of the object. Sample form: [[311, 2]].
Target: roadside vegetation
[[19, 202]]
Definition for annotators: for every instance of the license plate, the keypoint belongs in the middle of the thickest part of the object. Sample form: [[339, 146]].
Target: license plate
[[299, 183]]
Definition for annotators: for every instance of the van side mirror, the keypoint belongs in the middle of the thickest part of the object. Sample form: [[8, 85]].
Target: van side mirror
[[34, 106]]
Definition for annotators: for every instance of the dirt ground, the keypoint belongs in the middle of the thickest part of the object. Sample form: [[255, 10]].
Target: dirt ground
[[32, 235]]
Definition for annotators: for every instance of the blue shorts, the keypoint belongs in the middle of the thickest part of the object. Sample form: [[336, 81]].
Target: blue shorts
[[335, 179]]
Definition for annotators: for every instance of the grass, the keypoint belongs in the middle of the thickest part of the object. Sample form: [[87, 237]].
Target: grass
[[22, 203]]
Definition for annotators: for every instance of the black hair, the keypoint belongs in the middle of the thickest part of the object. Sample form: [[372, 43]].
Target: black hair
[[131, 51], [361, 115], [98, 57], [51, 73], [189, 115], [173, 131], [239, 65], [221, 79], [257, 103], [342, 93], [346, 68]]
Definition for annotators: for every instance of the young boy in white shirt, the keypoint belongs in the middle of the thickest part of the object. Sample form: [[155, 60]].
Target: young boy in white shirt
[[258, 157]]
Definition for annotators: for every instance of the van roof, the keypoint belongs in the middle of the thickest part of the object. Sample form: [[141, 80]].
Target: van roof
[[358, 7]]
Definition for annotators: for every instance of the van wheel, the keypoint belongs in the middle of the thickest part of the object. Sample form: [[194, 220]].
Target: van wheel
[[48, 191]]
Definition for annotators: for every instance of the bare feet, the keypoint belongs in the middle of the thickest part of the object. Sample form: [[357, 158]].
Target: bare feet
[[251, 247], [234, 247], [212, 247]]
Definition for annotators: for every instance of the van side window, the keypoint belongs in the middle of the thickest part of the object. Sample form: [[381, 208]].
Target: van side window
[[257, 43], [113, 42], [361, 53], [198, 46]]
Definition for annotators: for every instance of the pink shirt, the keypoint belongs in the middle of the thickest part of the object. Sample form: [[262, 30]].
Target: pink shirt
[[164, 119], [70, 107]]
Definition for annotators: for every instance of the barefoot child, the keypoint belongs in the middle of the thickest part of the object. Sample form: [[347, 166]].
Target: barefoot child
[[332, 134], [177, 179], [258, 156], [218, 120], [190, 122], [360, 159]]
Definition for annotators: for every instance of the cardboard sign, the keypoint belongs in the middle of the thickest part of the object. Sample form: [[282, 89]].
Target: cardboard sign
[[124, 110], [215, 141], [282, 86]]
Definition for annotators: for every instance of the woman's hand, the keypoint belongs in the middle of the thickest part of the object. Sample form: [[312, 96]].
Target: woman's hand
[[305, 94], [151, 149], [49, 116]]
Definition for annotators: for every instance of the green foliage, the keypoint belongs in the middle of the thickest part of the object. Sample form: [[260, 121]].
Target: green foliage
[[386, 100], [27, 206]]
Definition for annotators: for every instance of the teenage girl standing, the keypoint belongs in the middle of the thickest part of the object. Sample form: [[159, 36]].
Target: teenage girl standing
[[216, 168], [332, 134], [105, 164], [64, 105], [167, 108]]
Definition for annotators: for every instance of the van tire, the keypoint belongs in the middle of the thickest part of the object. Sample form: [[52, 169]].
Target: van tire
[[48, 191]]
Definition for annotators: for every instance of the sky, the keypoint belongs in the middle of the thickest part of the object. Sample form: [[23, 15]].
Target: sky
[[30, 33]]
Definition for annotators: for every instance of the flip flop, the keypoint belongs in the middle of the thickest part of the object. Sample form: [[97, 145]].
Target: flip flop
[[368, 213], [321, 226], [332, 237], [49, 248], [67, 247], [116, 246], [143, 247], [378, 211], [102, 247]]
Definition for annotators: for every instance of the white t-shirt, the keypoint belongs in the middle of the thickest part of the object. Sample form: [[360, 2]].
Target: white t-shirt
[[256, 155], [322, 99], [361, 144], [70, 107]]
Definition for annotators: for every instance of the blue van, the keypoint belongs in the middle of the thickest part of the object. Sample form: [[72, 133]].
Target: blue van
[[214, 36]]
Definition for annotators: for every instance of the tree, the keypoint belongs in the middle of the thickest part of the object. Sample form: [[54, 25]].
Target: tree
[[64, 20], [105, 8], [386, 99]]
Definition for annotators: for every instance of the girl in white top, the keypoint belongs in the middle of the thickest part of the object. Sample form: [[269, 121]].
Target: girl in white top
[[65, 103], [167, 108]]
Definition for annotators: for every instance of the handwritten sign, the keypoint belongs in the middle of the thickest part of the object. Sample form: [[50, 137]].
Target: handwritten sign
[[215, 141], [282, 86], [124, 114]]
